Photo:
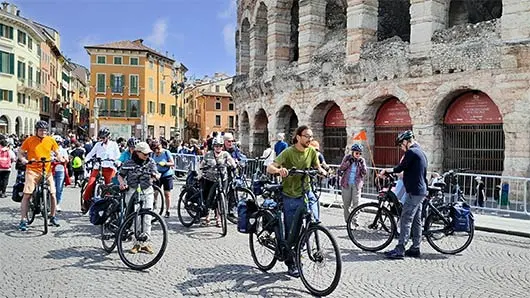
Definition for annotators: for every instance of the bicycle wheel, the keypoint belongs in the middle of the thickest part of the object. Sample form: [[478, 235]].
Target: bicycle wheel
[[82, 191], [109, 229], [263, 243], [442, 237], [30, 215], [159, 201], [234, 196], [188, 206], [319, 261], [221, 209], [142, 239], [371, 228], [45, 203]]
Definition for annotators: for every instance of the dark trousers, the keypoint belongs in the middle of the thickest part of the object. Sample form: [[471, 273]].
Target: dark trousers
[[4, 178]]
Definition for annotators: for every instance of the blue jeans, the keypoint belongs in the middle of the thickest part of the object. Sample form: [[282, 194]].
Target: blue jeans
[[58, 177], [291, 205], [410, 221]]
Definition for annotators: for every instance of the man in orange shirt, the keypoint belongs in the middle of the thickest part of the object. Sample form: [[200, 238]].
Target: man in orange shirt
[[34, 148]]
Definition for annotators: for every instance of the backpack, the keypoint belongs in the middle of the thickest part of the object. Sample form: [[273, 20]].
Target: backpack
[[77, 162], [100, 211], [5, 159], [462, 217]]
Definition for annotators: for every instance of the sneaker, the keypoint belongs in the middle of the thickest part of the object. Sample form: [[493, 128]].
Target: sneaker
[[135, 249], [395, 254], [147, 249], [23, 226], [293, 271], [58, 208], [167, 214], [413, 252], [54, 221]]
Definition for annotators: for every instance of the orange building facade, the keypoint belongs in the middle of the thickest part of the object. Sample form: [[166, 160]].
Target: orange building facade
[[130, 90]]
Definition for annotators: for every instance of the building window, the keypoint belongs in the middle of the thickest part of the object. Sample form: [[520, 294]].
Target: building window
[[216, 88], [162, 131], [231, 121], [117, 108], [230, 106], [21, 98], [162, 83], [217, 120], [103, 107], [30, 43], [133, 61], [6, 95], [151, 84], [7, 63], [151, 107], [117, 60], [173, 110], [116, 83], [217, 105], [151, 131], [163, 108], [101, 60], [21, 70], [133, 82], [100, 83], [21, 37], [6, 31], [30, 75], [133, 108]]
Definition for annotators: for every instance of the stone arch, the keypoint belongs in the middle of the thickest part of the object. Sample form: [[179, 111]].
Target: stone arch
[[294, 51], [393, 19], [287, 122], [244, 131], [261, 132], [19, 126], [259, 48], [329, 129], [4, 124], [461, 12], [244, 47], [237, 50], [336, 17], [376, 97]]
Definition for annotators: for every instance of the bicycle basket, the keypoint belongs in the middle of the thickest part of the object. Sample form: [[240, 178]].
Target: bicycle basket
[[100, 211]]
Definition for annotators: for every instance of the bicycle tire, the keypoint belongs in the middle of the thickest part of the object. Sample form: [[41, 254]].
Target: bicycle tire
[[160, 199], [123, 231], [82, 191], [446, 231], [264, 241], [44, 209], [377, 218], [30, 215], [185, 204], [221, 208], [318, 256], [109, 231], [233, 200]]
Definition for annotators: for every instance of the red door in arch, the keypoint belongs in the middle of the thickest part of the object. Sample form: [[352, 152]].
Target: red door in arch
[[392, 118], [335, 138]]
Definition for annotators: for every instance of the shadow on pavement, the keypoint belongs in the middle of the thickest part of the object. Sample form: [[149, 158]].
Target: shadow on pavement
[[353, 255], [248, 280], [88, 258]]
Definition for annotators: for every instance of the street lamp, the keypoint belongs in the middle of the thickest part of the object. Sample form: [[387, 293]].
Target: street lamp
[[96, 117]]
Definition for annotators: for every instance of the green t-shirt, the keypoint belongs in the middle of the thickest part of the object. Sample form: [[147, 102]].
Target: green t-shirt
[[293, 158]]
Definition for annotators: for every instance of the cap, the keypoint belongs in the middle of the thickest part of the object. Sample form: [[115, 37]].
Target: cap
[[143, 147], [228, 136]]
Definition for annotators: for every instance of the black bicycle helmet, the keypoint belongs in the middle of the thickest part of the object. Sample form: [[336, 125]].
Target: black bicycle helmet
[[406, 135], [103, 133], [41, 124], [357, 147], [132, 142]]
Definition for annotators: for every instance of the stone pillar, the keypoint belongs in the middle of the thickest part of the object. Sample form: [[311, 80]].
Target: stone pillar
[[515, 28], [244, 48], [312, 28], [279, 34], [252, 50], [426, 16], [362, 26]]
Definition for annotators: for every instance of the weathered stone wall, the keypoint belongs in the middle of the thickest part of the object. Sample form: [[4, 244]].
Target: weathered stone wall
[[426, 75]]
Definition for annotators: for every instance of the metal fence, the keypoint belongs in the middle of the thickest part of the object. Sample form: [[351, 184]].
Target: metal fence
[[504, 195]]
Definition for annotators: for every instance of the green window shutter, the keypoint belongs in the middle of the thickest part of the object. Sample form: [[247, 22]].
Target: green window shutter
[[122, 83], [112, 82], [10, 96], [12, 64]]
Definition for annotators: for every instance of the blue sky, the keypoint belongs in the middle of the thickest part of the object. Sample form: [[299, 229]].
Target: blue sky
[[199, 33]]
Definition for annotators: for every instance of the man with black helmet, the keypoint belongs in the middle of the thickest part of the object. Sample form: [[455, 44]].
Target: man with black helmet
[[414, 168], [34, 148], [104, 149]]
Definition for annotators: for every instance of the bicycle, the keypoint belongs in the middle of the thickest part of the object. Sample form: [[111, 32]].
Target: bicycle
[[100, 180], [305, 244], [135, 229], [117, 211], [237, 190], [40, 200], [369, 220]]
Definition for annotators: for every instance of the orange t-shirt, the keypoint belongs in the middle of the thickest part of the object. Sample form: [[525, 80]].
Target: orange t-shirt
[[38, 148]]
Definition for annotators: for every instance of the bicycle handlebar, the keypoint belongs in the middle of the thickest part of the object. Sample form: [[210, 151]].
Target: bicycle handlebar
[[307, 172], [41, 161]]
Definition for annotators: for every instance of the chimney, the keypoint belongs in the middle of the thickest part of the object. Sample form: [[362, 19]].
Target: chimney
[[139, 41], [5, 4]]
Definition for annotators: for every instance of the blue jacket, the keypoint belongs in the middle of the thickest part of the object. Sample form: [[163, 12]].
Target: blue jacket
[[279, 147], [414, 168]]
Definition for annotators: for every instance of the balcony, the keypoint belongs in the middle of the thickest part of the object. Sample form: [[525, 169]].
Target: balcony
[[32, 88], [118, 113]]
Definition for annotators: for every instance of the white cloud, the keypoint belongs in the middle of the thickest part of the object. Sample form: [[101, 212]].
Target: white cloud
[[159, 34], [230, 11], [229, 14], [229, 33]]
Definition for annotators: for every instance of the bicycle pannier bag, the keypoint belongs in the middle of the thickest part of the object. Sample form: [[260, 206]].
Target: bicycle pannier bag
[[462, 217], [244, 210], [100, 211]]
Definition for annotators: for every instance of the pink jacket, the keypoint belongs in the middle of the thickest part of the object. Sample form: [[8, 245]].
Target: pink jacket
[[345, 167]]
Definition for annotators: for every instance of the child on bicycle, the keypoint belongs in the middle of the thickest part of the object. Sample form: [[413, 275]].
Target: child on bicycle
[[139, 171]]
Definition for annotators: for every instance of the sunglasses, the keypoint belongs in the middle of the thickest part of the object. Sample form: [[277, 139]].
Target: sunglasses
[[218, 146], [357, 153]]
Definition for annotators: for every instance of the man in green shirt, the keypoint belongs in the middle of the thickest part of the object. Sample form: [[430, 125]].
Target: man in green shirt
[[300, 156]]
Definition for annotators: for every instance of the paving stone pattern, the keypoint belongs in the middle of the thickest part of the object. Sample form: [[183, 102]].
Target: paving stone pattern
[[69, 262]]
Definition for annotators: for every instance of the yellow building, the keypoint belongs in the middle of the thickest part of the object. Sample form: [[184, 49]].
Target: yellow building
[[131, 90]]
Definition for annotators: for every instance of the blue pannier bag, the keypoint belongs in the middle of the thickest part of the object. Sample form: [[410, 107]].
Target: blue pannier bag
[[100, 211], [245, 209], [462, 217]]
